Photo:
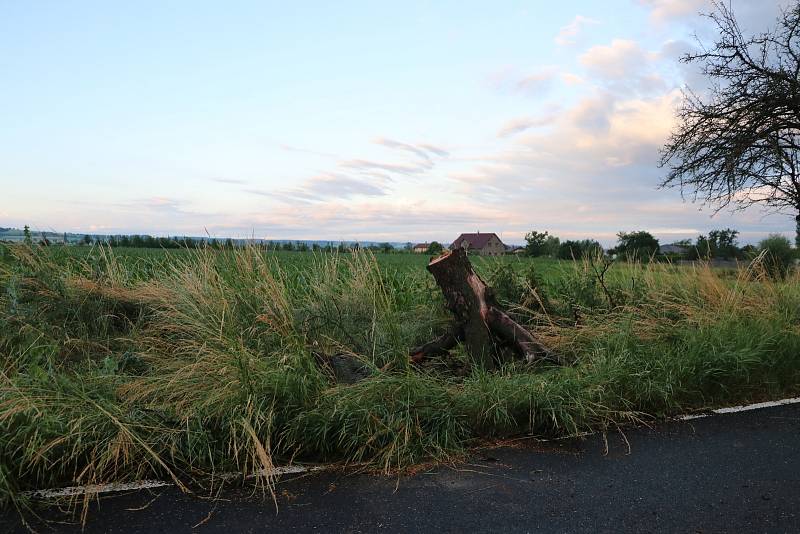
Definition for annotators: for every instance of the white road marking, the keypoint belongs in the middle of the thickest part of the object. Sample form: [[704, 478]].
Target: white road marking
[[292, 469], [71, 491], [743, 408], [112, 487]]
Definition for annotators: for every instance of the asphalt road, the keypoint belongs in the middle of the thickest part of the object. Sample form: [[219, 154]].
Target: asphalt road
[[727, 473]]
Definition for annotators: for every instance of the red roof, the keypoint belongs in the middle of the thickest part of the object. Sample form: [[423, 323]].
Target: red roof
[[474, 240]]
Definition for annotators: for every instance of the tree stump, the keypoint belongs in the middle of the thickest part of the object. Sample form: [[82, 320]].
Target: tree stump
[[479, 322]]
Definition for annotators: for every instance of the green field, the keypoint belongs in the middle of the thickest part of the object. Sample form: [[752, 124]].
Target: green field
[[137, 363]]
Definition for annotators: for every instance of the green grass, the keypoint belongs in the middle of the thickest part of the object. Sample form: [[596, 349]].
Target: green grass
[[117, 365]]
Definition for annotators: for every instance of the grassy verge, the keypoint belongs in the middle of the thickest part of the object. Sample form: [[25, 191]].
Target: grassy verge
[[186, 365]]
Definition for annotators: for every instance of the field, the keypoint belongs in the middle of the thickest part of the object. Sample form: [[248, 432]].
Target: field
[[128, 364]]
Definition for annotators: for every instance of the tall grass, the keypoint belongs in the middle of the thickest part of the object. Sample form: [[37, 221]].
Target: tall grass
[[194, 364]]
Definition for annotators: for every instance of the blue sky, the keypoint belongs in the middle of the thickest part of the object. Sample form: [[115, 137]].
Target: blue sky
[[403, 121]]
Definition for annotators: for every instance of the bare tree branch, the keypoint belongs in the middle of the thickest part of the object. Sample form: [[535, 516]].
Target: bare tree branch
[[737, 144]]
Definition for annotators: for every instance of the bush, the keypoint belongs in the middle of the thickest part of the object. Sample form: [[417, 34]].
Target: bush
[[585, 248], [637, 245], [779, 254]]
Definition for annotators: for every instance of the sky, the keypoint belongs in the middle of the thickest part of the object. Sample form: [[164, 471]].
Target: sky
[[383, 121]]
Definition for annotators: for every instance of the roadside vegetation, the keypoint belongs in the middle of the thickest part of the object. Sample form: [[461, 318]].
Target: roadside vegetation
[[118, 365]]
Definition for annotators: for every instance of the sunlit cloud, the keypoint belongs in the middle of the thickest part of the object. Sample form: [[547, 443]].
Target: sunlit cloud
[[664, 10], [622, 58]]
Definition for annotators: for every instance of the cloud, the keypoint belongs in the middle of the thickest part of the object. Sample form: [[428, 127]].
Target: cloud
[[520, 124], [371, 176], [589, 174], [513, 81], [592, 114], [439, 151], [422, 150], [372, 219], [571, 79], [569, 33], [752, 15], [423, 160], [536, 84], [619, 60], [324, 187], [398, 168], [662, 11]]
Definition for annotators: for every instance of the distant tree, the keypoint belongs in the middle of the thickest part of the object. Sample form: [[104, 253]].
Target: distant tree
[[386, 247], [26, 232], [434, 249], [640, 245], [722, 243], [288, 246], [536, 243], [739, 143], [87, 239], [717, 244], [408, 247], [44, 241], [779, 254], [65, 238], [701, 249], [551, 246], [579, 249], [748, 251]]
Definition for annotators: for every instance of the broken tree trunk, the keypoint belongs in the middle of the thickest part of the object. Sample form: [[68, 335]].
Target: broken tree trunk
[[480, 323]]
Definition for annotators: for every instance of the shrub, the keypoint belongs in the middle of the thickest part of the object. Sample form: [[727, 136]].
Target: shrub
[[779, 254]]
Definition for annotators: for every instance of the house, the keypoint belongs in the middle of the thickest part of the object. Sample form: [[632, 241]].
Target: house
[[420, 248], [483, 244]]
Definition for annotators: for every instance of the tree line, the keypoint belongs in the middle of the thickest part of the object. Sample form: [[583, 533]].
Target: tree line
[[642, 245], [148, 241]]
